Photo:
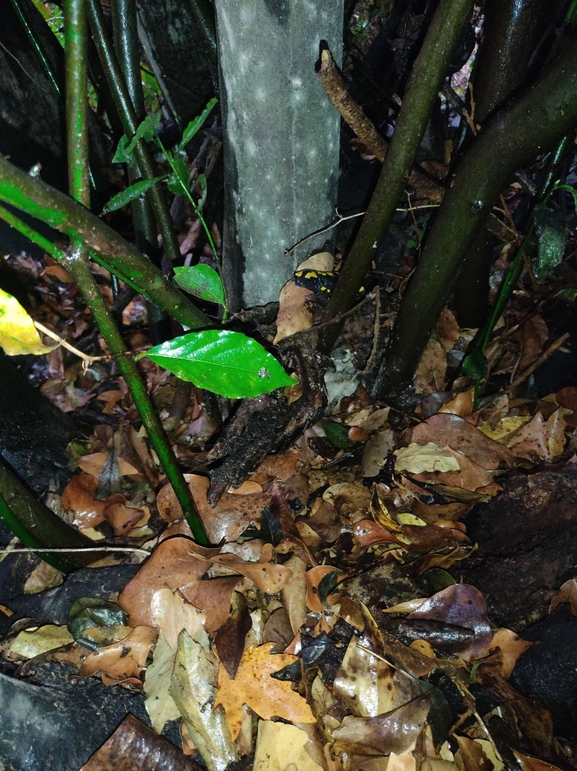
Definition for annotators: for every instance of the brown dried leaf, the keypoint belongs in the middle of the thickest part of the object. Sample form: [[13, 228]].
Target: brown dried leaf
[[134, 747], [254, 687], [224, 522], [567, 593], [94, 463], [122, 661], [78, 496], [266, 576], [293, 315], [173, 563], [511, 647], [171, 614], [229, 640], [452, 431], [545, 438], [394, 731], [432, 369]]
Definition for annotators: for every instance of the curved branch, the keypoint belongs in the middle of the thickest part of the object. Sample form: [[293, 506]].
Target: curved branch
[[530, 125], [62, 213]]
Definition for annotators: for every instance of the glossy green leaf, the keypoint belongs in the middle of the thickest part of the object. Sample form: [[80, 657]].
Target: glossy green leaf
[[196, 124], [337, 434], [327, 585], [551, 230], [88, 613], [128, 195], [178, 182], [147, 131], [201, 281], [228, 363], [270, 527], [475, 364]]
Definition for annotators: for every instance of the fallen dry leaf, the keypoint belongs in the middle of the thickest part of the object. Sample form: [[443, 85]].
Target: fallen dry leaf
[[171, 614], [394, 731], [511, 647], [159, 703], [172, 564], [567, 593], [123, 661], [194, 694], [266, 576], [254, 686], [280, 746], [544, 438]]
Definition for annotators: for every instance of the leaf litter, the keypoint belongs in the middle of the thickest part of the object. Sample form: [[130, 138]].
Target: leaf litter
[[325, 620]]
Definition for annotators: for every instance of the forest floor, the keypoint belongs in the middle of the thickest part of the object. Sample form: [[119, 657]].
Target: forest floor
[[393, 591]]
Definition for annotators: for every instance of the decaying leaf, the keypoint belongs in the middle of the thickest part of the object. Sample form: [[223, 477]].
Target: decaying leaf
[[391, 732], [171, 614], [254, 686], [159, 703], [567, 593], [280, 746], [34, 642], [417, 459], [124, 661], [194, 694]]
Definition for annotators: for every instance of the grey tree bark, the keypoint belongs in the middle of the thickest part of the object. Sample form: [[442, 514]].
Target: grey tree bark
[[281, 139]]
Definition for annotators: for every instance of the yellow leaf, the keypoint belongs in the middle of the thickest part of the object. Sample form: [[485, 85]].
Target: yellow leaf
[[254, 686], [280, 746], [419, 459], [18, 335], [31, 643]]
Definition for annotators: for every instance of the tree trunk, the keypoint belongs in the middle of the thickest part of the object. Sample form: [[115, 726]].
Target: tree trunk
[[281, 139]]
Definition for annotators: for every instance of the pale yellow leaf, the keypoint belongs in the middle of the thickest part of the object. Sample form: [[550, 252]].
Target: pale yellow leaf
[[419, 459], [34, 642], [159, 703], [18, 335], [280, 746]]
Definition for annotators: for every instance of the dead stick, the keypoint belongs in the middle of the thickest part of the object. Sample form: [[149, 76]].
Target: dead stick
[[336, 89], [537, 363]]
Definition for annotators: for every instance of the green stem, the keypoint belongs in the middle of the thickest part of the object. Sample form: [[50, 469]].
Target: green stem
[[52, 249], [76, 260], [129, 122], [39, 51], [420, 95], [78, 268], [33, 523], [186, 191], [526, 127], [62, 213]]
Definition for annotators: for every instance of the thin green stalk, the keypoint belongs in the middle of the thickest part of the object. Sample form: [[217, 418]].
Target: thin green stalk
[[38, 199], [80, 272], [33, 523], [52, 249], [186, 191], [129, 122], [76, 260], [36, 46], [420, 95]]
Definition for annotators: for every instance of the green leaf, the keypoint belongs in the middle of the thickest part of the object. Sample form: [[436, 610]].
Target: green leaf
[[88, 613], [201, 281], [551, 230], [128, 195], [337, 434], [327, 585], [196, 124], [147, 131], [228, 363], [178, 182], [270, 527], [475, 364]]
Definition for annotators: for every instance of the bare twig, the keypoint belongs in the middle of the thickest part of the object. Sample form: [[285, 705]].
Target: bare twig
[[537, 363], [340, 219], [336, 89], [63, 550], [84, 356]]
